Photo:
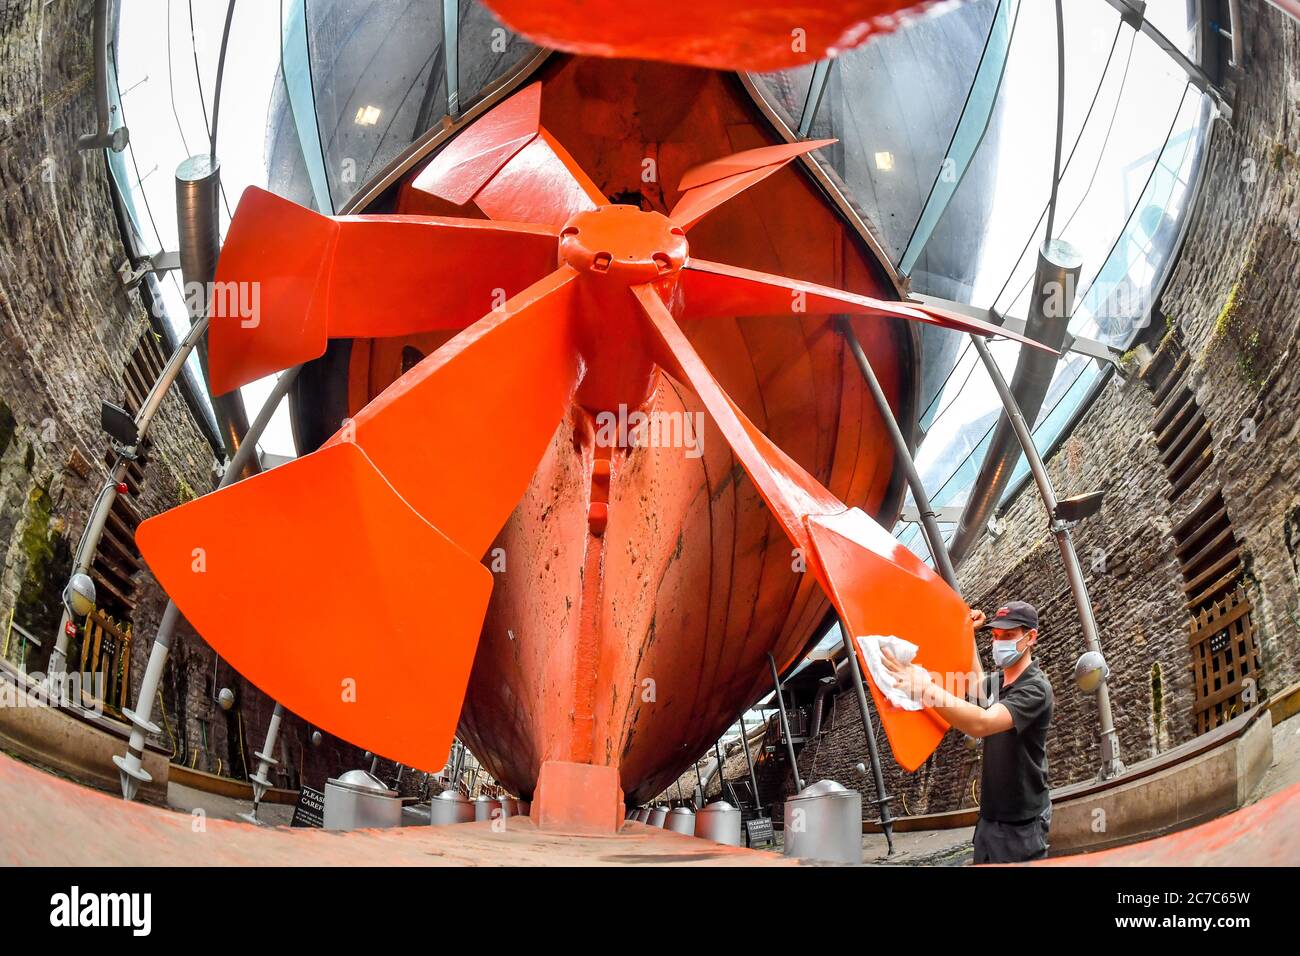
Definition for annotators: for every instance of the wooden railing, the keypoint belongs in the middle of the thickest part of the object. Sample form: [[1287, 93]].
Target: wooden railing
[[1225, 660], [106, 650]]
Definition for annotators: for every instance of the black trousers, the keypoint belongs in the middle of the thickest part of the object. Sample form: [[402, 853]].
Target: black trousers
[[999, 842]]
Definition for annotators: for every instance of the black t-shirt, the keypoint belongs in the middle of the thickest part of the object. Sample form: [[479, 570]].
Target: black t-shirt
[[1013, 780]]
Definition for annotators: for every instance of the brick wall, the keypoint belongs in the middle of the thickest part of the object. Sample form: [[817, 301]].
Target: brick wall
[[67, 329]]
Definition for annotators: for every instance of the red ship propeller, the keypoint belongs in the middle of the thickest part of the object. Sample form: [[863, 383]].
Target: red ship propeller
[[321, 579]]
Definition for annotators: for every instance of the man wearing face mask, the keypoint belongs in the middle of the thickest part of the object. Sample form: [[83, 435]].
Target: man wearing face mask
[[1015, 808]]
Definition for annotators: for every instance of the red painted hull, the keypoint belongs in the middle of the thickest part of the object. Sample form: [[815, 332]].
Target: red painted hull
[[637, 647]]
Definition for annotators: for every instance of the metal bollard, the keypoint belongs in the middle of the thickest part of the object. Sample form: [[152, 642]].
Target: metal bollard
[[719, 822], [824, 822], [681, 820], [448, 807]]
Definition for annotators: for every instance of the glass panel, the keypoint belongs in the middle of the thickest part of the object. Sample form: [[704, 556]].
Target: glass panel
[[1115, 306], [1086, 134], [488, 51], [155, 84], [893, 103], [378, 78], [1013, 193], [978, 118], [1098, 194], [786, 91], [1119, 298], [1179, 21], [164, 75]]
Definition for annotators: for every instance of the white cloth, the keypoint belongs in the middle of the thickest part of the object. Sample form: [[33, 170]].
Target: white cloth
[[903, 652]]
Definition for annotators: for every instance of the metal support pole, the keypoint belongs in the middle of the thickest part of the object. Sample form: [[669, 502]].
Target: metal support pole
[[785, 724], [450, 54], [699, 780], [103, 138], [1051, 307], [201, 252], [88, 546], [1060, 121], [261, 780], [456, 765], [131, 767], [722, 777], [873, 752], [1111, 765], [903, 455], [749, 762], [198, 192], [813, 101]]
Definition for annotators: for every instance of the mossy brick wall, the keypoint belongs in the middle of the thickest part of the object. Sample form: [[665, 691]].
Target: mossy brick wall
[[67, 329]]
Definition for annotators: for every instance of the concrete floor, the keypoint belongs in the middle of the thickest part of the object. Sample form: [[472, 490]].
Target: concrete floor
[[103, 830], [1285, 769], [187, 799], [953, 847]]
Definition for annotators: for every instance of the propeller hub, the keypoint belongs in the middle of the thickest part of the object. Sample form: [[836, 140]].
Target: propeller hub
[[624, 243]]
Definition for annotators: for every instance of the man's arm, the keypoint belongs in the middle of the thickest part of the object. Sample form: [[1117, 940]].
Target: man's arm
[[969, 718]]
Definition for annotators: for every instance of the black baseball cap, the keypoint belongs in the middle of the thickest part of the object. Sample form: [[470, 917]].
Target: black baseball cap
[[1015, 614]]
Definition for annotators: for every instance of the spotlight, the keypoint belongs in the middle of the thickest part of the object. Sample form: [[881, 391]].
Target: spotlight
[[118, 423], [1091, 672], [1078, 507], [226, 698], [80, 595]]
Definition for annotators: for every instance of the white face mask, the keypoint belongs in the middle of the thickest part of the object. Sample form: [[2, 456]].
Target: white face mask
[[1006, 653]]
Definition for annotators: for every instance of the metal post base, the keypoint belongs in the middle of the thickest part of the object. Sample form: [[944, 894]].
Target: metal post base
[[1111, 764], [147, 726], [261, 779], [131, 775]]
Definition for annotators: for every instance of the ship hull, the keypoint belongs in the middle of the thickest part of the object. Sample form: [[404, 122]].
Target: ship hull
[[634, 642]]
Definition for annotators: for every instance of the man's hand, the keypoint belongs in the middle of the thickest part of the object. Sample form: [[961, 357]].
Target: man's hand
[[912, 679], [977, 618]]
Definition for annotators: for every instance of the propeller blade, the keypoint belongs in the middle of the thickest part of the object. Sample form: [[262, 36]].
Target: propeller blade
[[289, 279], [748, 35], [318, 583], [460, 434], [711, 289], [746, 161], [542, 183], [709, 185], [873, 581], [512, 168], [876, 585], [466, 164], [275, 258]]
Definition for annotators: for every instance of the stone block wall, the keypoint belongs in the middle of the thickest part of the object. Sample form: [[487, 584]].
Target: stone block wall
[[67, 330]]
